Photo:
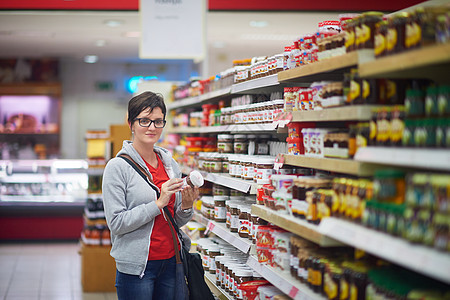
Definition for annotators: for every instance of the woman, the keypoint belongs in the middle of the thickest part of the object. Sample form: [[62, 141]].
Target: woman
[[142, 243]]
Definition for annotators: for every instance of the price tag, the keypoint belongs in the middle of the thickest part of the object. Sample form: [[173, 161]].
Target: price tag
[[285, 119], [279, 161], [293, 292], [210, 227]]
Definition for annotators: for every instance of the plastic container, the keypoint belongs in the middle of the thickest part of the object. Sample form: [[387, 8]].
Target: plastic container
[[194, 144], [194, 179]]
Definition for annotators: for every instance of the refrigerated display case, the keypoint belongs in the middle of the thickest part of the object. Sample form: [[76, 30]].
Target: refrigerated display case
[[42, 199]]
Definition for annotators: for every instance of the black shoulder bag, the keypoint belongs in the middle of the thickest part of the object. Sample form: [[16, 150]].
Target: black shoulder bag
[[190, 268]]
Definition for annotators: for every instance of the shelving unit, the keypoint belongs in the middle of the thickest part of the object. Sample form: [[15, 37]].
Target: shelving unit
[[345, 166], [217, 290], [201, 219], [327, 69], [197, 100], [224, 179], [433, 159], [345, 113], [232, 238], [297, 226], [421, 259], [431, 62], [256, 86], [266, 127], [283, 281]]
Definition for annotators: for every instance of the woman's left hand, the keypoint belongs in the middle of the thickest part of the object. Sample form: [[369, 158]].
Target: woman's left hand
[[188, 196]]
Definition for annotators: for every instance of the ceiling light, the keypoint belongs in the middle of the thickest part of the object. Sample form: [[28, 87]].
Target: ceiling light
[[90, 59], [259, 24], [113, 23], [100, 43]]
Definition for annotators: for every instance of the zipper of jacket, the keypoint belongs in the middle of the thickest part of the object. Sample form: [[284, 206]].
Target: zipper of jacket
[[148, 245]]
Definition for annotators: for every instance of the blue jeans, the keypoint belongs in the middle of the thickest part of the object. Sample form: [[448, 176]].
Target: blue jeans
[[158, 282]]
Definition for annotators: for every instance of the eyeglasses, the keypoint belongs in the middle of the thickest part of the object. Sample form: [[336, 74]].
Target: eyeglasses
[[144, 122]]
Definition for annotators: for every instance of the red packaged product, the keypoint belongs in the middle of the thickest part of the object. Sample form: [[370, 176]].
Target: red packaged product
[[250, 288]]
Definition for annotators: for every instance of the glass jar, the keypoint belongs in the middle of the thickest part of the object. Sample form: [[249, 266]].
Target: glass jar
[[225, 143], [389, 186], [212, 253], [220, 211], [381, 29], [234, 217], [264, 167], [367, 33], [262, 145], [243, 221], [240, 145], [350, 35]]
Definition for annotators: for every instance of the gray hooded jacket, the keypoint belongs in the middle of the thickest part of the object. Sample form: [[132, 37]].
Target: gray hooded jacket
[[130, 208]]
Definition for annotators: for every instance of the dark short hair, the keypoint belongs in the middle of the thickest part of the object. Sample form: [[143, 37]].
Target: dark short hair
[[143, 101]]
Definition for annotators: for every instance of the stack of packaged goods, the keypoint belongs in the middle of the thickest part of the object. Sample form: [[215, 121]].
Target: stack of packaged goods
[[95, 231]]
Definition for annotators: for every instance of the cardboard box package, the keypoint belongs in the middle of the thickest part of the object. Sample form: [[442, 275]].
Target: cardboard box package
[[98, 269]]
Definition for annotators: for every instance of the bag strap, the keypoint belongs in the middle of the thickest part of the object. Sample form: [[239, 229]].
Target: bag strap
[[166, 211]]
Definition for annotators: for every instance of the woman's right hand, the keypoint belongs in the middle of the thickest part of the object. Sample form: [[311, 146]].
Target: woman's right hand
[[168, 188]]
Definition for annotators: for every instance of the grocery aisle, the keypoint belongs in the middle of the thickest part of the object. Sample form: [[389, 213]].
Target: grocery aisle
[[43, 271]]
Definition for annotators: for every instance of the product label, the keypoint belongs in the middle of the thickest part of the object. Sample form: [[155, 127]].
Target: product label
[[391, 39], [220, 213], [234, 221], [355, 91], [380, 44], [243, 226], [350, 39], [365, 33]]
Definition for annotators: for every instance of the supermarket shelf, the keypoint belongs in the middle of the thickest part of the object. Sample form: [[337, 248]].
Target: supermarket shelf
[[327, 69], [198, 217], [283, 281], [210, 280], [215, 94], [239, 128], [96, 171], [70, 199], [435, 159], [346, 166], [207, 129], [295, 225], [45, 178], [232, 238], [256, 85], [429, 62], [246, 186], [345, 113], [250, 128], [183, 103], [192, 101], [418, 258]]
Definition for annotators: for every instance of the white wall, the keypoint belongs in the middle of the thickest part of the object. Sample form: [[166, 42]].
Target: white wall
[[85, 108]]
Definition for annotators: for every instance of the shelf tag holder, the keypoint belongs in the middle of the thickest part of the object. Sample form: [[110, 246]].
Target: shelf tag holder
[[279, 161], [284, 118]]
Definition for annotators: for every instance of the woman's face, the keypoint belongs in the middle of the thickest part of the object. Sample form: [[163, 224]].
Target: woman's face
[[148, 135]]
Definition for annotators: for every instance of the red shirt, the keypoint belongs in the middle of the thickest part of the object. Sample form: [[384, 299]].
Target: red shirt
[[161, 246]]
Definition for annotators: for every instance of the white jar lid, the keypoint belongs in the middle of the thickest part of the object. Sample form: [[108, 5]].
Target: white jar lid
[[196, 178]]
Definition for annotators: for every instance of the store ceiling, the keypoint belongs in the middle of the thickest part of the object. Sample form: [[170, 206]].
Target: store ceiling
[[74, 34]]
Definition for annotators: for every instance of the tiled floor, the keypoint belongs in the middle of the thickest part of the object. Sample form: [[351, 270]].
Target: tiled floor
[[43, 271]]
